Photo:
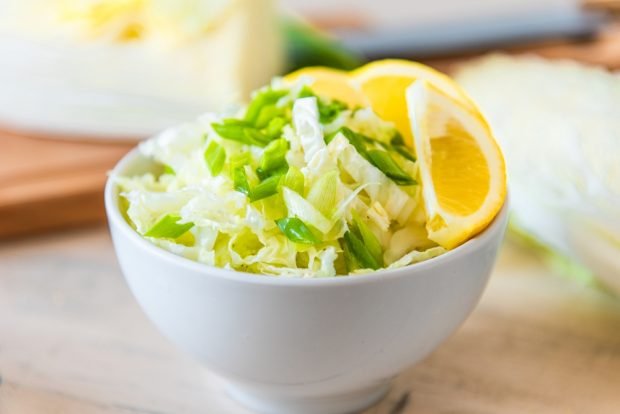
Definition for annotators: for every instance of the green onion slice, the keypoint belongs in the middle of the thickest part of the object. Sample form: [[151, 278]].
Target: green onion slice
[[357, 140], [237, 172], [329, 137], [322, 195], [349, 258], [256, 137], [233, 132], [404, 152], [168, 227], [371, 241], [330, 111], [295, 180], [379, 158], [397, 139], [383, 161], [266, 188], [274, 157], [274, 128], [267, 113], [360, 251], [306, 92], [240, 131], [215, 157], [261, 100], [240, 160], [169, 170], [296, 230], [240, 180]]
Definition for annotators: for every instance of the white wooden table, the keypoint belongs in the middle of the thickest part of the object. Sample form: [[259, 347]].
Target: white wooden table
[[73, 341]]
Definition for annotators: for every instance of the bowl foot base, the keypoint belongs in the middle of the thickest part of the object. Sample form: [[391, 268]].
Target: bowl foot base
[[280, 403]]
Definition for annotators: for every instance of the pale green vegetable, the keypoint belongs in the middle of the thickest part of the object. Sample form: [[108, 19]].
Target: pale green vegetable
[[323, 194], [169, 227], [298, 206], [296, 230], [294, 179], [559, 126], [215, 156], [292, 185], [416, 256]]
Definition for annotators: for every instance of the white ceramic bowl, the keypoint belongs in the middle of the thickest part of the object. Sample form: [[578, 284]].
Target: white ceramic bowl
[[288, 345]]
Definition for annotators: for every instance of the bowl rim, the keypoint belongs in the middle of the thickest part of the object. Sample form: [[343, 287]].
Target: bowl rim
[[115, 219]]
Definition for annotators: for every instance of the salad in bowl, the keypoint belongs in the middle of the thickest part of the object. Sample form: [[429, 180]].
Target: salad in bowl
[[313, 244], [322, 174]]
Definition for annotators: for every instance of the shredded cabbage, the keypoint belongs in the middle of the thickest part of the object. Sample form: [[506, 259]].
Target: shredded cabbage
[[559, 124], [286, 186]]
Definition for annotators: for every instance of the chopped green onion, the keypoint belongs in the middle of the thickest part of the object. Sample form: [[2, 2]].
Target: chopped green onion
[[274, 128], [266, 188], [349, 258], [383, 161], [306, 92], [169, 170], [294, 179], [262, 175], [357, 140], [262, 99], [360, 143], [240, 160], [267, 113], [330, 111], [235, 121], [296, 230], [232, 131], [274, 157], [240, 131], [361, 253], [168, 227], [368, 237], [404, 152], [379, 144], [237, 172], [322, 195], [240, 181], [215, 156], [397, 139], [329, 137], [256, 137]]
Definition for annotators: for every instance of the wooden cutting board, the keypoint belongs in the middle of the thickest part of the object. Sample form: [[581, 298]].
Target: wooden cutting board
[[50, 184]]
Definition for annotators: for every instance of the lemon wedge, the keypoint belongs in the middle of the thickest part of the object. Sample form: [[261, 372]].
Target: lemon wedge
[[330, 82], [384, 83], [461, 167]]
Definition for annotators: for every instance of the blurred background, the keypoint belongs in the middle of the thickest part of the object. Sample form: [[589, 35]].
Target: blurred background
[[84, 80]]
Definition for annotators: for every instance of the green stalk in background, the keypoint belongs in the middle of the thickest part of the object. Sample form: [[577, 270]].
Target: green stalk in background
[[307, 46]]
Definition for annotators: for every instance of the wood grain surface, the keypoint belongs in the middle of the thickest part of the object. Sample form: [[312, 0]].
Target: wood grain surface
[[73, 341], [48, 184]]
